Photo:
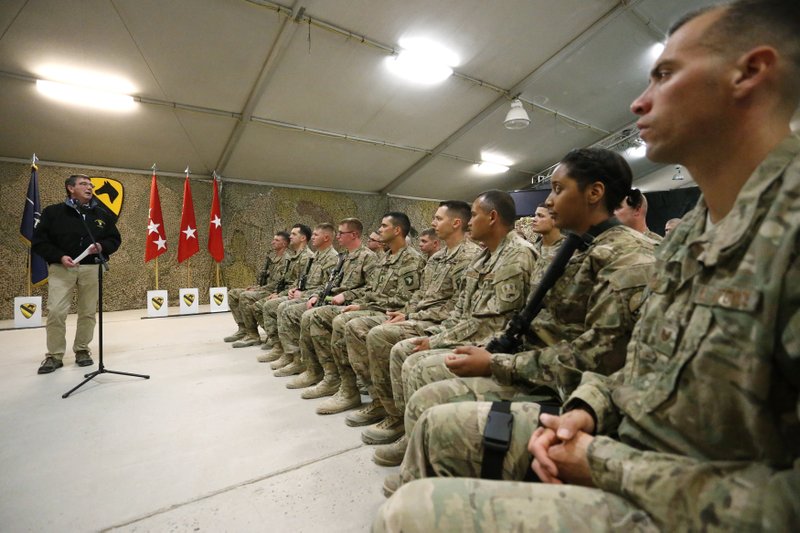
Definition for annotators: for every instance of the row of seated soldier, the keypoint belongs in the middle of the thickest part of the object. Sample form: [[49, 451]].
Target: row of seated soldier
[[597, 377]]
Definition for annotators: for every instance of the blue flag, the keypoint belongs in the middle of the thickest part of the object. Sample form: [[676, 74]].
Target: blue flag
[[30, 218]]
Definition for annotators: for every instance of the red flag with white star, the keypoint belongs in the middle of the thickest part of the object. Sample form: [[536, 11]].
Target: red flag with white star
[[188, 244], [156, 243], [215, 246]]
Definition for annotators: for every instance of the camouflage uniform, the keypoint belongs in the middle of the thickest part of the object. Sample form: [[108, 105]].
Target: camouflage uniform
[[544, 256], [495, 286], [653, 235], [395, 279], [295, 268], [290, 312], [589, 315], [441, 282], [239, 299], [706, 409], [315, 329]]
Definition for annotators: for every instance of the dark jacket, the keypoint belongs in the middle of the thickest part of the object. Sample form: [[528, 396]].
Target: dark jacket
[[60, 232]]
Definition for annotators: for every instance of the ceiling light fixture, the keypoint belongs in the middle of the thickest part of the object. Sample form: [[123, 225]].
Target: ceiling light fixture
[[637, 151], [85, 96], [422, 61], [678, 176], [488, 167], [517, 118]]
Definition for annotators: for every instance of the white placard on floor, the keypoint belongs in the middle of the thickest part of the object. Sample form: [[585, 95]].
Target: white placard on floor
[[218, 298], [28, 311], [157, 303], [189, 301]]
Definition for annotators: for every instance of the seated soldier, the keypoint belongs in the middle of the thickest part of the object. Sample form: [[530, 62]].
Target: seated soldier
[[587, 319], [314, 278], [240, 300], [297, 258], [698, 432], [632, 211], [348, 284], [429, 243], [369, 340], [394, 280], [496, 286]]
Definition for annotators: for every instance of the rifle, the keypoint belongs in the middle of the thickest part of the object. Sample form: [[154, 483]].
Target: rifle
[[337, 272], [301, 285], [263, 277], [511, 339]]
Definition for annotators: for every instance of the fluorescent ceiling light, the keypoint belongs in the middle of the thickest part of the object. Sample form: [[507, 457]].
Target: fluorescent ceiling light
[[488, 167], [84, 87], [637, 152], [422, 61], [84, 96]]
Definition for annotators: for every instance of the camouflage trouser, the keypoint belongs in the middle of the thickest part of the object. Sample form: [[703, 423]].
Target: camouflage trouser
[[397, 357], [235, 302], [339, 343], [445, 422], [251, 318], [472, 505], [290, 314], [422, 368], [355, 337], [315, 343], [380, 341], [269, 318]]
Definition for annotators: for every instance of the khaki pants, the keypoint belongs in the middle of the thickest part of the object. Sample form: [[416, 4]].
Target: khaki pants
[[61, 282]]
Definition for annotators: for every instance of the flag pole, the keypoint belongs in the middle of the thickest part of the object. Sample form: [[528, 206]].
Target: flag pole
[[156, 273], [217, 274], [28, 260], [188, 273]]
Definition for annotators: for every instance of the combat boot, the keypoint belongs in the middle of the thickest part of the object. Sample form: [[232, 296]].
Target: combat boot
[[329, 384], [391, 484], [268, 356], [391, 454], [282, 361], [346, 398], [306, 379], [293, 368], [239, 335], [369, 414], [251, 338], [386, 431]]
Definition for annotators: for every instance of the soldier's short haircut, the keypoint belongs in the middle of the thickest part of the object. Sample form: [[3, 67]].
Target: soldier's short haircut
[[500, 202], [458, 209], [352, 224], [305, 230], [589, 165], [400, 220], [542, 205], [283, 235], [327, 227], [428, 232], [744, 24]]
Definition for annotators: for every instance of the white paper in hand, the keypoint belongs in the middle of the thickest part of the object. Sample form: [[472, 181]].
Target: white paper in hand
[[83, 254]]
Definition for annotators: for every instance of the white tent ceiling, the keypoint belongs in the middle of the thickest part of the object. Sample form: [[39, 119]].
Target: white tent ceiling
[[282, 94]]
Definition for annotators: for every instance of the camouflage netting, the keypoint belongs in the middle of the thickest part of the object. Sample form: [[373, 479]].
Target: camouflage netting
[[250, 216]]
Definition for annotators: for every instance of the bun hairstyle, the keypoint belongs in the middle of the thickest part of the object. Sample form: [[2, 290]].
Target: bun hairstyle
[[589, 165], [635, 199]]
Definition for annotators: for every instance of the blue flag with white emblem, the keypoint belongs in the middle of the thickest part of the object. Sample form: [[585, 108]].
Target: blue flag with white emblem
[[37, 267]]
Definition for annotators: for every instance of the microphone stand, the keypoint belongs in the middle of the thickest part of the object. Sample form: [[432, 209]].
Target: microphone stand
[[103, 262]]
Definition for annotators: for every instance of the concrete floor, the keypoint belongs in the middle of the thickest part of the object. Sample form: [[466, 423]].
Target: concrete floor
[[212, 442]]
